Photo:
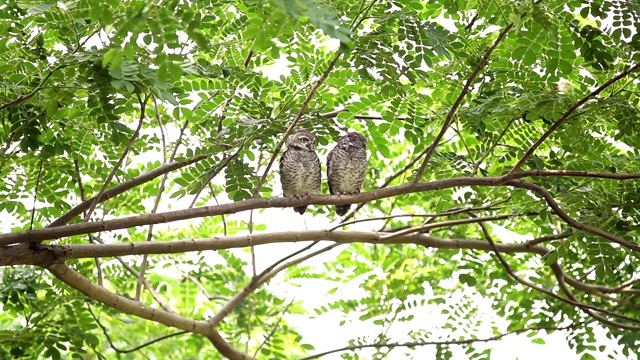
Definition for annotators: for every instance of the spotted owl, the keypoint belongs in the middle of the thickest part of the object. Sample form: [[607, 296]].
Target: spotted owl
[[347, 166], [300, 172]]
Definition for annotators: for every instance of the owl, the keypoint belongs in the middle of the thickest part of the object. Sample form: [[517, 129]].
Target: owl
[[347, 166], [300, 172]]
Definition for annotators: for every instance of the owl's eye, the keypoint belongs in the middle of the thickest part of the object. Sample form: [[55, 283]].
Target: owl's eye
[[304, 139]]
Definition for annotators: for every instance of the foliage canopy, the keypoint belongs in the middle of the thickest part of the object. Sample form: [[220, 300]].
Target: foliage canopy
[[504, 144]]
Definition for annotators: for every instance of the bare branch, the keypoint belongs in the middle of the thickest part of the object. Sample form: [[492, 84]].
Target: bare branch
[[430, 226]]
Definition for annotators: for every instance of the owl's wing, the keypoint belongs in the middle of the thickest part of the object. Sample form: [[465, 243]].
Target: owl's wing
[[282, 158], [329, 164]]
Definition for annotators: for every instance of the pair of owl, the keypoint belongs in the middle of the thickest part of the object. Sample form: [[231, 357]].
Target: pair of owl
[[300, 172]]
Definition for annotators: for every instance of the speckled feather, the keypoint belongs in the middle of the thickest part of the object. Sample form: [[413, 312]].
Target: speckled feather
[[347, 167], [300, 172]]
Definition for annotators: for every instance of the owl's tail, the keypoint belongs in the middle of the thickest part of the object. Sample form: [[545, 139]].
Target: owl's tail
[[300, 209], [341, 210]]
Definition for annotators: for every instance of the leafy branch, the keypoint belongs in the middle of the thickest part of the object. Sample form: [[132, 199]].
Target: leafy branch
[[567, 114], [444, 342], [465, 89]]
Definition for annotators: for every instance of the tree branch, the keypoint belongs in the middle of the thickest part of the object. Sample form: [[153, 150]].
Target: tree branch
[[573, 108], [449, 342], [569, 220], [121, 188], [116, 349], [143, 107], [303, 108], [572, 300], [458, 102], [136, 308], [126, 305], [258, 203]]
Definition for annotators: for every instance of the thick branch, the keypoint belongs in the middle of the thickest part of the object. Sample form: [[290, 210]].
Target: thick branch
[[45, 254], [136, 308], [126, 305], [132, 221], [225, 349]]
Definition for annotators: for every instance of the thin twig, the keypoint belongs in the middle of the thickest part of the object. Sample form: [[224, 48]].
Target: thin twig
[[46, 78], [156, 203], [143, 105], [215, 173], [35, 196], [297, 118], [262, 278], [275, 327], [449, 212], [224, 218], [449, 342], [121, 351], [200, 286], [91, 237], [543, 239], [441, 224]]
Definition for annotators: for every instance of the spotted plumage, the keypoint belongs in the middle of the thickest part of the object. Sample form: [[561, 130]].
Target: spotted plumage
[[300, 172], [347, 166]]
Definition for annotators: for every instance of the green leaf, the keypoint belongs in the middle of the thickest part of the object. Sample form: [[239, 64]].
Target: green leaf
[[113, 58]]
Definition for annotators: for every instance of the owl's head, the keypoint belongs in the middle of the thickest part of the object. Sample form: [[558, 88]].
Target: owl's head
[[355, 139], [302, 139]]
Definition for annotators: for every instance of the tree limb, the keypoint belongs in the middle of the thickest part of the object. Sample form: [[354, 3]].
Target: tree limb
[[143, 107], [257, 203]]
